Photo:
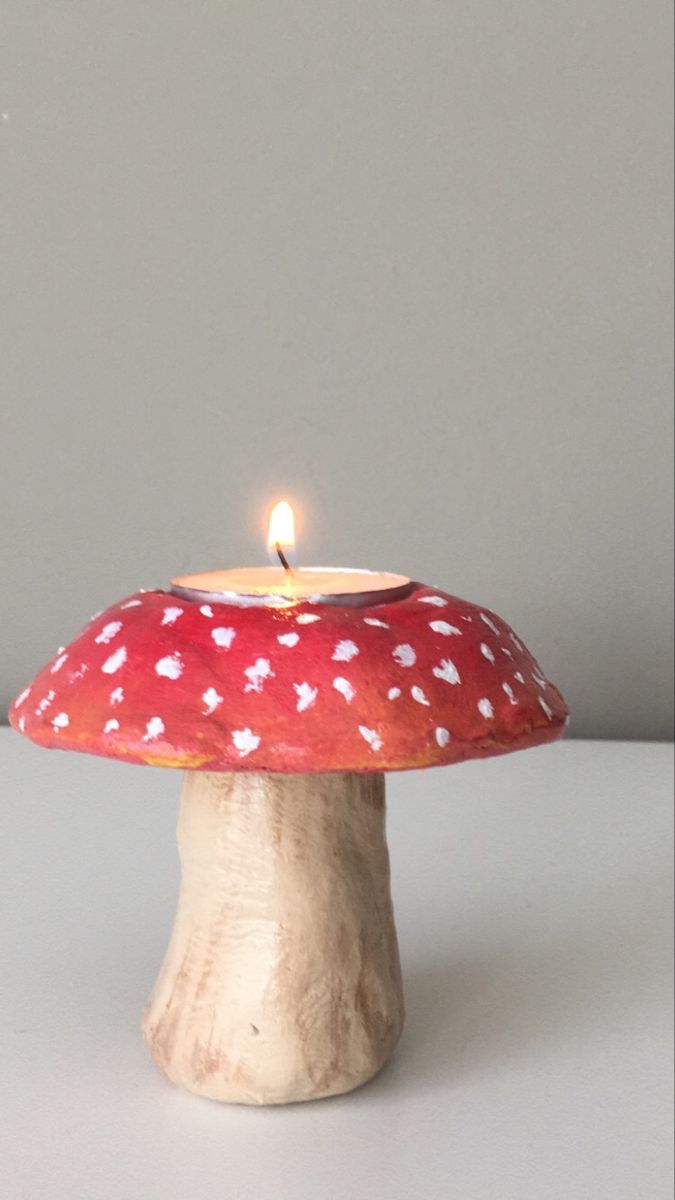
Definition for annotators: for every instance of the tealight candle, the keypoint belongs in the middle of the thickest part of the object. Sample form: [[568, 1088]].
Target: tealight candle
[[284, 585]]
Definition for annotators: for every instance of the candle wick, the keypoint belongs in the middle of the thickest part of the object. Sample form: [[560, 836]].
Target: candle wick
[[282, 559]]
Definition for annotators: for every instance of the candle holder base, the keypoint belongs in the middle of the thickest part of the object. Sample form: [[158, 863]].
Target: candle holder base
[[282, 979]]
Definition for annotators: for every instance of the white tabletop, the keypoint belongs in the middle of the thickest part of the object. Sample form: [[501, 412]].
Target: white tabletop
[[532, 901]]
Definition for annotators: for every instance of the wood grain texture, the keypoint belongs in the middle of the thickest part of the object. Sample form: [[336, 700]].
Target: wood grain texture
[[282, 978]]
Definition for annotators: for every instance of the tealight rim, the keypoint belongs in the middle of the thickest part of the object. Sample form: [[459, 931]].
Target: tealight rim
[[365, 599]]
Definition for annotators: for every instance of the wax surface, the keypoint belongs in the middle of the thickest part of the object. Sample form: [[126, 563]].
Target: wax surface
[[296, 585]]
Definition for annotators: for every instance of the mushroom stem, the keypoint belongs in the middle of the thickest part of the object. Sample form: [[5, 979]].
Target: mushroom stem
[[282, 979]]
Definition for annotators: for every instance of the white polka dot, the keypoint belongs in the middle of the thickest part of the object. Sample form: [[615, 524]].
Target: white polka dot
[[442, 736], [223, 636], [447, 671], [206, 610], [490, 624], [485, 708], [545, 707], [469, 619], [153, 729], [306, 695], [345, 688], [171, 615], [506, 652], [393, 693], [438, 600], [245, 740], [61, 721], [111, 726], [509, 692], [22, 723], [486, 652], [539, 680], [519, 676], [374, 621], [58, 664], [21, 697], [288, 639], [518, 645], [371, 736], [418, 695], [108, 632], [170, 667], [45, 703], [131, 604], [117, 696], [405, 655], [345, 651], [211, 700], [444, 628], [115, 661], [307, 618], [81, 671], [257, 674]]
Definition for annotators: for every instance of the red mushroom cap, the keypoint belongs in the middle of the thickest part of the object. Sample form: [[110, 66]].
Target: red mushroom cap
[[418, 682]]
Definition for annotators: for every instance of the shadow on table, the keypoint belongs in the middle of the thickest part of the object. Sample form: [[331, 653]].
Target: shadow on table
[[467, 1017]]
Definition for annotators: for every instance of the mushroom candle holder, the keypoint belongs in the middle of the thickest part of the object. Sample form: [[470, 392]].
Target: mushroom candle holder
[[282, 979]]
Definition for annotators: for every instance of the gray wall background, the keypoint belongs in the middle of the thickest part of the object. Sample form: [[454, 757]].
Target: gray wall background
[[408, 264]]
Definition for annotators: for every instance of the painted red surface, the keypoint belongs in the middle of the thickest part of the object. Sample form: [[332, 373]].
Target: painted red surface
[[420, 682]]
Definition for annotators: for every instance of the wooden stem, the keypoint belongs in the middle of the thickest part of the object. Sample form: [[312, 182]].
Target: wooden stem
[[282, 979]]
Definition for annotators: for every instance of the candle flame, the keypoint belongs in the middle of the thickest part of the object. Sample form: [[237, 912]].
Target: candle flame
[[281, 530]]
